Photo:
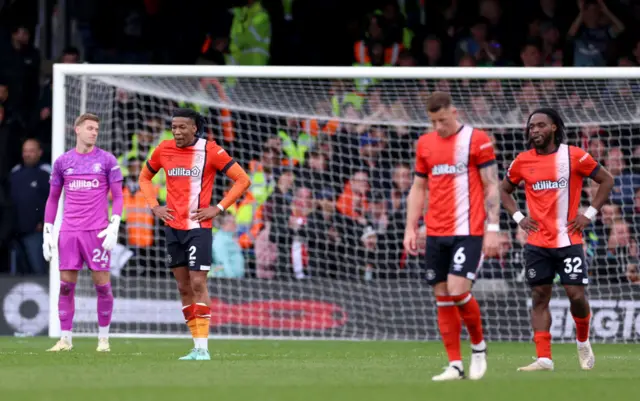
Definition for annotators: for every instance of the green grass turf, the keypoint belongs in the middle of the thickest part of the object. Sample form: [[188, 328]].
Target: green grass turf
[[302, 371]]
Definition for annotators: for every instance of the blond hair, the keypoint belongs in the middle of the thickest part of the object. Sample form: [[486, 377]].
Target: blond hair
[[86, 117]]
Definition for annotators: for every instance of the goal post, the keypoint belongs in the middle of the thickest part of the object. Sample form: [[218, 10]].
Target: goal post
[[361, 120]]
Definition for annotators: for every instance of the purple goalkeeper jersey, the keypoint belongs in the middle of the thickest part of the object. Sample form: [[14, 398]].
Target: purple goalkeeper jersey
[[86, 179]]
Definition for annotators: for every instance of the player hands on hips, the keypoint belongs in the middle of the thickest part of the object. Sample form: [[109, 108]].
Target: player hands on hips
[[191, 164], [456, 164], [87, 235], [552, 173]]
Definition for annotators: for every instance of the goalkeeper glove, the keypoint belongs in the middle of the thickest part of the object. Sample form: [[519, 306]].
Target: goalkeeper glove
[[48, 243], [110, 234]]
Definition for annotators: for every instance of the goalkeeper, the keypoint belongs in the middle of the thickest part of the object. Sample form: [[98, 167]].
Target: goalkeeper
[[191, 164]]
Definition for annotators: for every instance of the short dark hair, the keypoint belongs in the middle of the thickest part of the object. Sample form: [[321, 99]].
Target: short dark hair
[[439, 100], [193, 115], [71, 50], [558, 136]]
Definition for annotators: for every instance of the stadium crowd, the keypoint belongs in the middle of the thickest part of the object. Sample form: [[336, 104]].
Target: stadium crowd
[[328, 195]]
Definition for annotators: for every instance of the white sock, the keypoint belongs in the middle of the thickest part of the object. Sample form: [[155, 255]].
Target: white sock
[[66, 334], [457, 364], [201, 343], [481, 346], [103, 332]]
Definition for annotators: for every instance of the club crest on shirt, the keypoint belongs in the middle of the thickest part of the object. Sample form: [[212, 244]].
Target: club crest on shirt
[[199, 158], [562, 168], [97, 167], [68, 171]]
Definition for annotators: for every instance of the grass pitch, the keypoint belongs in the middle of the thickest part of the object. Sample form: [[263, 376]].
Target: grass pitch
[[302, 371]]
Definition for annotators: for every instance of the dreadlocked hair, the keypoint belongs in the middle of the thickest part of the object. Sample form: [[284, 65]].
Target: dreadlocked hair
[[559, 135]]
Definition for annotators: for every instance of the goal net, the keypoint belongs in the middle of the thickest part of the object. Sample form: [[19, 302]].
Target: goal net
[[330, 152]]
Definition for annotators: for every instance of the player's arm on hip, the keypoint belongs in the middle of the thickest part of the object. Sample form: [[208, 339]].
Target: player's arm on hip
[[509, 185], [605, 184], [241, 182], [146, 186]]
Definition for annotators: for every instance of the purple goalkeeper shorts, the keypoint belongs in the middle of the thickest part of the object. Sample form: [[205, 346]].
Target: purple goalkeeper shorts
[[78, 247]]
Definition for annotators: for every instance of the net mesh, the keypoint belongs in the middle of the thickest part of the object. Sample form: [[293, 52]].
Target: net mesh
[[308, 275]]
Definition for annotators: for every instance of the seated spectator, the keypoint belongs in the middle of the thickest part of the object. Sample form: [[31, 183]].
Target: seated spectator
[[591, 37], [478, 45], [431, 54], [228, 260], [621, 250]]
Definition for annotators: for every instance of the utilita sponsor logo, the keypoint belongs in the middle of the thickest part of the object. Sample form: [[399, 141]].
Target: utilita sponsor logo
[[544, 185], [77, 185], [610, 319], [444, 169], [183, 172]]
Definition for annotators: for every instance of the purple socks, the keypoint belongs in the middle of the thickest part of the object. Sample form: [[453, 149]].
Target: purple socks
[[105, 304], [66, 305]]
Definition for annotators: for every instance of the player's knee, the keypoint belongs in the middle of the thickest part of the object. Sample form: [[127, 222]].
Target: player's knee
[[458, 285], [199, 285], [540, 297], [66, 288], [576, 294], [184, 288]]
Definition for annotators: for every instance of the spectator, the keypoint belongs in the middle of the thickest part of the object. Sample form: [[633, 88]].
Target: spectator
[[29, 188], [431, 54], [70, 55], [626, 183], [250, 37], [551, 49], [20, 66], [530, 54], [228, 260], [591, 38], [6, 220], [622, 249], [9, 144], [479, 45], [353, 201]]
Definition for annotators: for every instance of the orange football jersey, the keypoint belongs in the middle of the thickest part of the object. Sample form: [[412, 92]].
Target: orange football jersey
[[190, 175], [553, 186], [456, 193]]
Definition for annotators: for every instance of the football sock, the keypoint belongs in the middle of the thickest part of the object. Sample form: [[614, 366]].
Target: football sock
[[582, 327], [450, 326], [105, 309], [470, 313], [66, 307], [202, 314], [190, 319], [543, 344]]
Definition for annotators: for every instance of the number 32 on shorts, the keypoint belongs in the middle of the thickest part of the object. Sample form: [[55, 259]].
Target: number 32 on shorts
[[573, 265]]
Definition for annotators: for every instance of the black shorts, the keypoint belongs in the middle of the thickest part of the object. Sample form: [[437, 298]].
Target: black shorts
[[459, 255], [542, 264], [190, 248]]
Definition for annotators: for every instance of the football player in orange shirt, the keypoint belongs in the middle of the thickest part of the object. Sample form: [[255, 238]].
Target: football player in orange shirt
[[191, 164], [456, 165], [552, 173]]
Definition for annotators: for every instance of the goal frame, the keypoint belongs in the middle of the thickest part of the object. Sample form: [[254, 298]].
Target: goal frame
[[61, 71]]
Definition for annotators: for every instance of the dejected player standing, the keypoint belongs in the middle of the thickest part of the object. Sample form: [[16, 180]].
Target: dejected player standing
[[553, 173], [190, 164], [86, 174], [456, 164]]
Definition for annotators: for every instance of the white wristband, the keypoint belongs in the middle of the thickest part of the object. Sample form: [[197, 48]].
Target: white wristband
[[590, 213], [493, 228], [220, 207], [518, 217]]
